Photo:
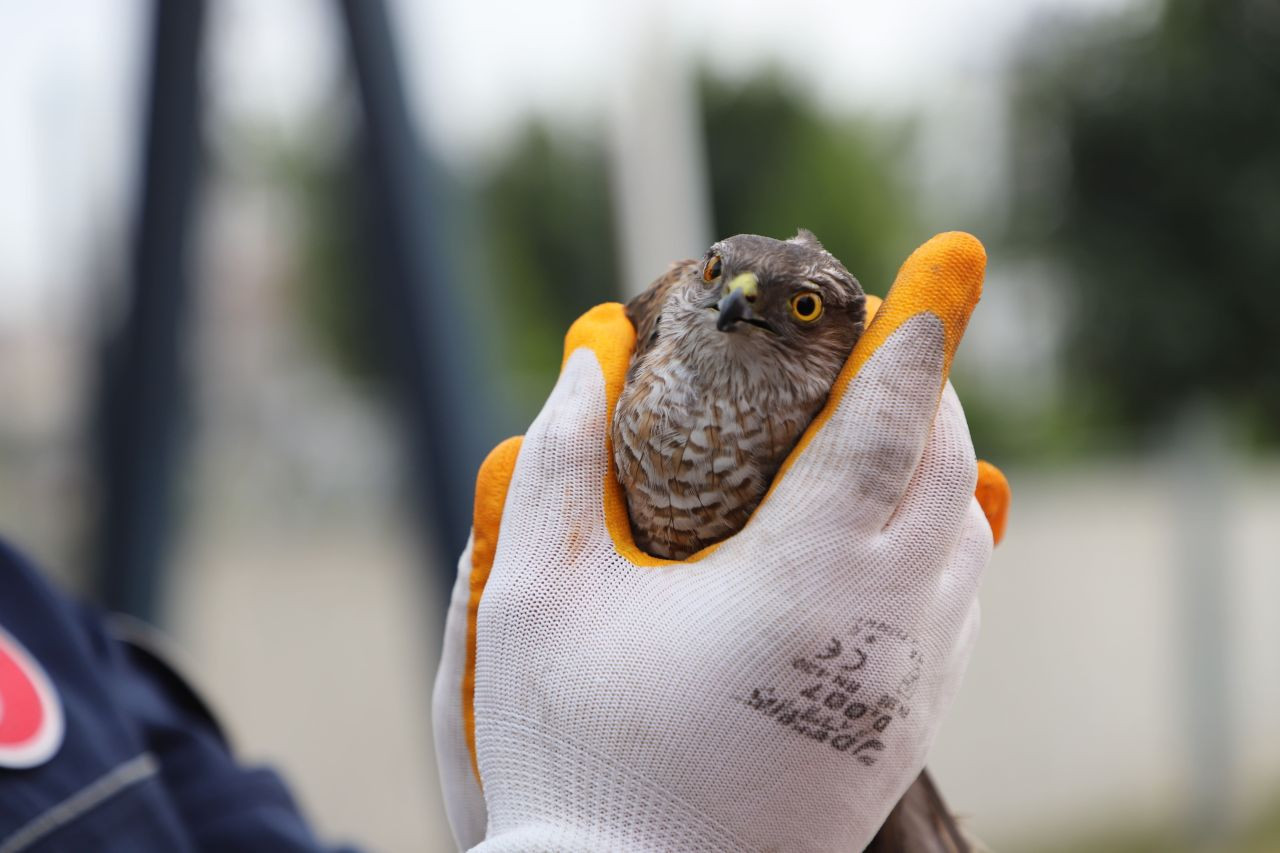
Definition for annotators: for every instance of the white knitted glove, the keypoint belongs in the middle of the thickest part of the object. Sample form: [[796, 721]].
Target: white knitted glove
[[778, 691]]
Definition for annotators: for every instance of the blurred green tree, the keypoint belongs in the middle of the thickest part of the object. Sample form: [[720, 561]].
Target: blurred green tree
[[1162, 206], [537, 246], [545, 217], [326, 280], [777, 163]]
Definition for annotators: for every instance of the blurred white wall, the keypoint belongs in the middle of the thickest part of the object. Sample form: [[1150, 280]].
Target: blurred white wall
[[312, 645], [1075, 711], [1072, 717]]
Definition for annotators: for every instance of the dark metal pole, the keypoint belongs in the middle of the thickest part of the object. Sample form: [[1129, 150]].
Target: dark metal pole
[[138, 424], [422, 312]]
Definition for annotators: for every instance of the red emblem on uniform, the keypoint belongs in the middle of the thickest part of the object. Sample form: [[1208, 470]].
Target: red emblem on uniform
[[30, 713]]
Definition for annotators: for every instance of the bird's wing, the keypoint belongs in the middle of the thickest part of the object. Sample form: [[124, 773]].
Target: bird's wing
[[920, 823], [644, 310]]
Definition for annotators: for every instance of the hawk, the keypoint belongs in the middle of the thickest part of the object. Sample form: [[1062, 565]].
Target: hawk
[[735, 355]]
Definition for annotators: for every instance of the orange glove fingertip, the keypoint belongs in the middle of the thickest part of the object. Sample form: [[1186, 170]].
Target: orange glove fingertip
[[993, 496], [492, 483]]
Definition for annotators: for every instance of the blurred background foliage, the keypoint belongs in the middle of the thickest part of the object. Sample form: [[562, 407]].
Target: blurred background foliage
[[326, 282], [1150, 176], [1145, 175], [776, 163], [545, 212]]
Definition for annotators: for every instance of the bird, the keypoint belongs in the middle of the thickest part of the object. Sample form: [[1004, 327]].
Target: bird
[[735, 355]]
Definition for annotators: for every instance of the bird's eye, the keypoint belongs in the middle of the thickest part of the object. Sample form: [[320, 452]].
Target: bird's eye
[[712, 271], [806, 307]]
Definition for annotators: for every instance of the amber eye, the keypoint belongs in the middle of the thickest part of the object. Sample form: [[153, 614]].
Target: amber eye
[[712, 270], [806, 307]]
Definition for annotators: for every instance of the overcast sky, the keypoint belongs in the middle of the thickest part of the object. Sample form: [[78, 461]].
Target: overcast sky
[[70, 73]]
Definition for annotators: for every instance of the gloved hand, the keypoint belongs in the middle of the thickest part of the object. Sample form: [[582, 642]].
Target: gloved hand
[[777, 691]]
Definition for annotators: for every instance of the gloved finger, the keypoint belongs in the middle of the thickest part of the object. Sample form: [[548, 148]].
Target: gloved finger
[[872, 308], [992, 490], [968, 559], [943, 278], [561, 469], [994, 496], [583, 434], [938, 497], [492, 485], [966, 637], [863, 447], [454, 736]]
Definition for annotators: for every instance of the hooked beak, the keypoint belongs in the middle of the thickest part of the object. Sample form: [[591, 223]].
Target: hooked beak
[[735, 304]]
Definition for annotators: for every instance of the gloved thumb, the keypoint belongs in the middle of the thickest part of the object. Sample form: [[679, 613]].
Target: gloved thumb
[[564, 460]]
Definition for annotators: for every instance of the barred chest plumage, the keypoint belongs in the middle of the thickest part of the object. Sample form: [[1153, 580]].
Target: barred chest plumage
[[735, 355], [698, 458]]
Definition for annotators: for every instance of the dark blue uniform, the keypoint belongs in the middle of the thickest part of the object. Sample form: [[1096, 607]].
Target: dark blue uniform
[[142, 765]]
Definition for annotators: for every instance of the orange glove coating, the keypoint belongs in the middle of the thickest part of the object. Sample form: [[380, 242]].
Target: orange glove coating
[[942, 277]]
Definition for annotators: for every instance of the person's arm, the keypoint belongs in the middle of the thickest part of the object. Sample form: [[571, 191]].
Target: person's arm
[[141, 764]]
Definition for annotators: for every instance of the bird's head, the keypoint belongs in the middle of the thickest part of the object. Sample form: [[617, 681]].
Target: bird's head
[[790, 304]]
